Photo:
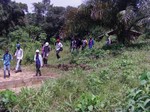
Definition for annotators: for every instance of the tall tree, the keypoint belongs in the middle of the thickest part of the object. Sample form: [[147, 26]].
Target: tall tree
[[119, 15], [39, 10], [11, 15]]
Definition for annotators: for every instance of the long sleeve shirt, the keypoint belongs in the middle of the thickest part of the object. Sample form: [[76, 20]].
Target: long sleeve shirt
[[58, 46], [7, 58], [19, 54]]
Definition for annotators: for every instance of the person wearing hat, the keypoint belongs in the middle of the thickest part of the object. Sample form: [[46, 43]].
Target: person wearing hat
[[46, 52], [38, 62], [19, 57], [58, 47], [6, 61]]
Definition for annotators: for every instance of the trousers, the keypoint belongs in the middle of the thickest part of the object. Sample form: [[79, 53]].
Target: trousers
[[38, 71], [6, 68], [18, 65]]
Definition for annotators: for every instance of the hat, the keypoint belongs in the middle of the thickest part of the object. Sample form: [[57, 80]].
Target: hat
[[18, 45], [46, 44], [37, 51]]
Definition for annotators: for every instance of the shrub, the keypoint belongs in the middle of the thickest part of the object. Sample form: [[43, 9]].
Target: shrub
[[138, 99], [7, 100], [87, 103]]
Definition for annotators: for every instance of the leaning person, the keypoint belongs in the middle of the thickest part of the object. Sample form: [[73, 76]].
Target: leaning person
[[59, 48], [38, 62], [19, 57], [6, 61]]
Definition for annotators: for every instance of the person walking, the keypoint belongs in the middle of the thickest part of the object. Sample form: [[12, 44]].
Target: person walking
[[6, 61], [38, 62], [59, 48], [84, 43], [73, 45], [78, 43], [19, 57], [46, 52], [91, 43]]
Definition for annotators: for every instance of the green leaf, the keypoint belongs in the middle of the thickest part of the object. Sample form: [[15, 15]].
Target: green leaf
[[90, 108], [147, 103], [143, 82]]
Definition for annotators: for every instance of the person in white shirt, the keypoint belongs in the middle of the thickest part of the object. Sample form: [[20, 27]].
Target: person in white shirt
[[19, 57], [58, 47], [38, 62]]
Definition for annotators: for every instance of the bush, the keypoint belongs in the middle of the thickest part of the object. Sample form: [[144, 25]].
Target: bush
[[7, 100], [29, 51], [138, 99], [87, 103]]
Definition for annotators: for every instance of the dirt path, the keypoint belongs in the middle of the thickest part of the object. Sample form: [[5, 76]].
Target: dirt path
[[26, 78]]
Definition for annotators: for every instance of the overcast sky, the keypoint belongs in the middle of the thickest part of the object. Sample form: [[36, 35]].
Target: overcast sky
[[54, 2]]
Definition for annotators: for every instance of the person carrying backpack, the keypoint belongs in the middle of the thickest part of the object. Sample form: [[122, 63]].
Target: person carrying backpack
[[6, 61], [19, 57], [38, 62], [46, 51], [59, 48]]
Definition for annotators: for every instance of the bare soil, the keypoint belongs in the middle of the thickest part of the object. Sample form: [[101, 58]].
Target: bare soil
[[26, 78]]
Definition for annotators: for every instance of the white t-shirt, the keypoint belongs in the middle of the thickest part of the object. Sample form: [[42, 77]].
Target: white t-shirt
[[58, 46], [19, 54]]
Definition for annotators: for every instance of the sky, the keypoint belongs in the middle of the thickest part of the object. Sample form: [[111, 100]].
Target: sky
[[64, 3]]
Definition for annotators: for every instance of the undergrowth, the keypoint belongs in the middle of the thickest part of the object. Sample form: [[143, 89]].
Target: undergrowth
[[118, 82]]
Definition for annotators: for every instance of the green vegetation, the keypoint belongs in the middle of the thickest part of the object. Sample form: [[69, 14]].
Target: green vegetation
[[8, 100], [117, 80], [111, 78]]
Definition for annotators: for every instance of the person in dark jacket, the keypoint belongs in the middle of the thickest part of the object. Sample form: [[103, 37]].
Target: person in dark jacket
[[38, 62], [79, 43], [46, 52]]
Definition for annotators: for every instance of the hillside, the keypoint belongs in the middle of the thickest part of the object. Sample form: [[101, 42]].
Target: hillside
[[107, 85]]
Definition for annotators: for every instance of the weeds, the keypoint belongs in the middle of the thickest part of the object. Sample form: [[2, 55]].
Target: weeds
[[112, 85]]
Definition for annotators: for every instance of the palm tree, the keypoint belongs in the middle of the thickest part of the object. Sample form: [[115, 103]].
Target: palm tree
[[120, 15]]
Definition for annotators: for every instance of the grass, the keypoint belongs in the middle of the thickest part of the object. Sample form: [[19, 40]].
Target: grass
[[103, 88]]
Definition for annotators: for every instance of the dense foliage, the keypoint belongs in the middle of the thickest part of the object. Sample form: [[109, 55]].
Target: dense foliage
[[92, 18], [117, 78], [117, 81]]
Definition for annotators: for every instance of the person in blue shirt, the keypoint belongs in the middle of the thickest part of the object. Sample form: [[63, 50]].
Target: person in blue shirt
[[6, 61], [91, 43]]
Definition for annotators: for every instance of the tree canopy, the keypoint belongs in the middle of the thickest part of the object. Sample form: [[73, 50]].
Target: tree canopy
[[93, 17]]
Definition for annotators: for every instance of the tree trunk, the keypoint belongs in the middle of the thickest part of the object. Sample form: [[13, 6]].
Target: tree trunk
[[124, 37]]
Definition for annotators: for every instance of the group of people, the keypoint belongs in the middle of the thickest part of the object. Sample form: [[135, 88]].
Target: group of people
[[76, 44], [40, 59]]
